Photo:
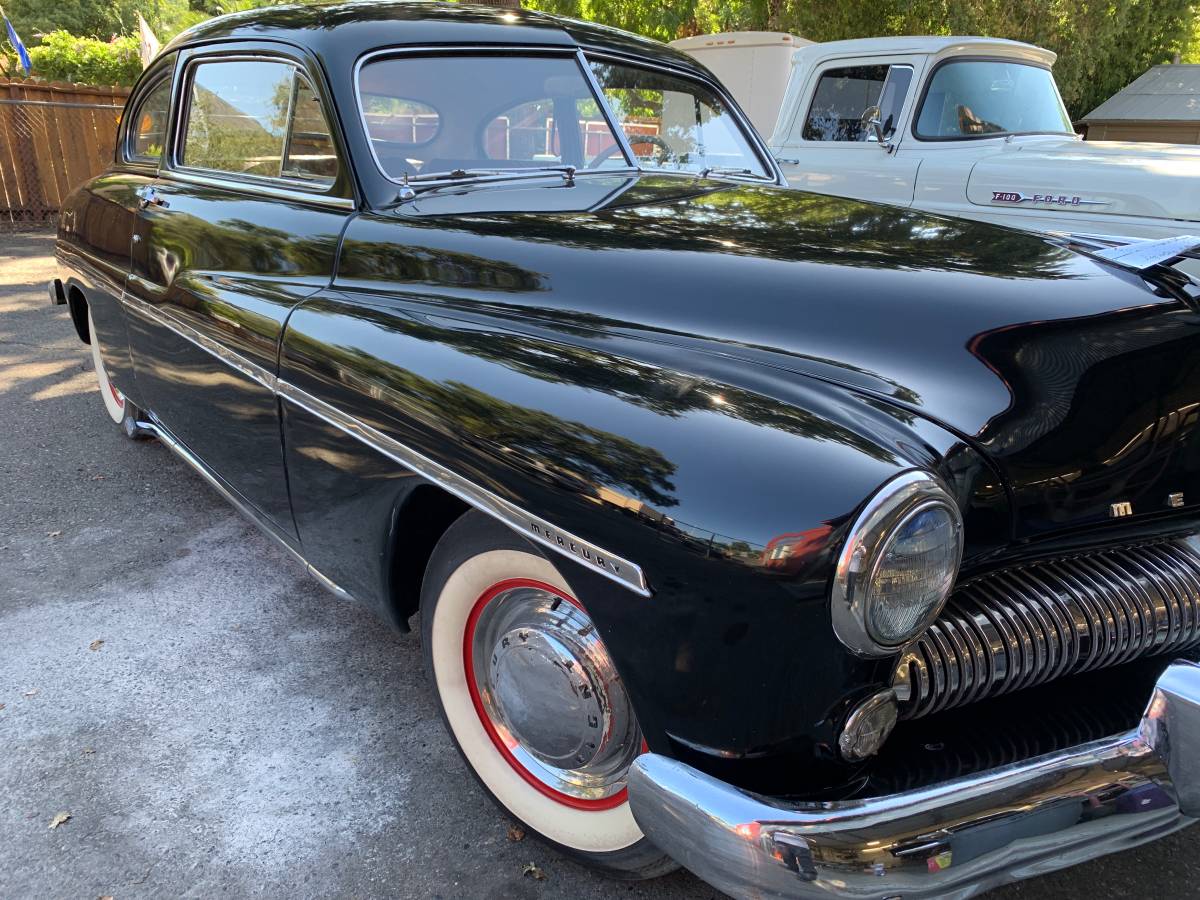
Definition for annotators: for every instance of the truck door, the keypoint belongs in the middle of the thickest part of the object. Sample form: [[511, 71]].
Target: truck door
[[827, 148]]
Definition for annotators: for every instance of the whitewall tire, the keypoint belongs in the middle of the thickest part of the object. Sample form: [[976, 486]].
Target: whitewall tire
[[120, 410], [537, 710], [114, 400]]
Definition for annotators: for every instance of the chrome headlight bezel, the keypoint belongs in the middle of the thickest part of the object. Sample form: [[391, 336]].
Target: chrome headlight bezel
[[892, 506]]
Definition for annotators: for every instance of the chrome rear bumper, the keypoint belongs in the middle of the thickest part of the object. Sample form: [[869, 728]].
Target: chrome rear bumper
[[953, 839]]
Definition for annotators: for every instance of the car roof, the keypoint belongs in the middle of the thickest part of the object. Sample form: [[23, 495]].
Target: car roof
[[930, 44], [357, 27]]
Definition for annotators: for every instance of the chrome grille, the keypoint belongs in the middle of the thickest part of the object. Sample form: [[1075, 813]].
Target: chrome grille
[[1026, 625]]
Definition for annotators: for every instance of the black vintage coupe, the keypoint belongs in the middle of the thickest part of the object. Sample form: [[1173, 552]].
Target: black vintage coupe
[[822, 547]]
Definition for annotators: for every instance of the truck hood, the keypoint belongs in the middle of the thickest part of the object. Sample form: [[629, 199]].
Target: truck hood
[[1079, 382], [1160, 181]]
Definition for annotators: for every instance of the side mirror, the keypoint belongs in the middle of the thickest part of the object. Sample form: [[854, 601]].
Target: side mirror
[[872, 119]]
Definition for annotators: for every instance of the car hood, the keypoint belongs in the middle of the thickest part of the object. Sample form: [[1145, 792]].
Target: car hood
[[1160, 181], [1079, 382]]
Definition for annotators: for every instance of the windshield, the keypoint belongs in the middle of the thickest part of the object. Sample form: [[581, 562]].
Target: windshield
[[675, 124], [979, 98], [463, 115]]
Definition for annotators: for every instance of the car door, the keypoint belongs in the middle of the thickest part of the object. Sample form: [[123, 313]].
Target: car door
[[97, 220], [827, 148], [240, 226]]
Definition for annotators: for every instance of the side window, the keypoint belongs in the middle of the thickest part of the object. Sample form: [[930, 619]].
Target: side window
[[844, 94], [148, 124], [257, 117], [675, 123], [891, 101], [310, 155]]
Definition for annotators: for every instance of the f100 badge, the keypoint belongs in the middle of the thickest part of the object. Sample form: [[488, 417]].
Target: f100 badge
[[1056, 199]]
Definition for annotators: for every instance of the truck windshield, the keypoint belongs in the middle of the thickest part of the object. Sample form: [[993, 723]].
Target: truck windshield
[[984, 98]]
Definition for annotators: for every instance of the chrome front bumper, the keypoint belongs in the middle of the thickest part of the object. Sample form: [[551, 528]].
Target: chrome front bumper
[[953, 839]]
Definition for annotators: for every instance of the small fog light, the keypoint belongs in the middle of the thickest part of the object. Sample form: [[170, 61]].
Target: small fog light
[[869, 726]]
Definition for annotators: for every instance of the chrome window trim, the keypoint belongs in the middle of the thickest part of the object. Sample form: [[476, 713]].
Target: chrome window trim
[[278, 187], [493, 49], [128, 124], [275, 191], [606, 111], [533, 527]]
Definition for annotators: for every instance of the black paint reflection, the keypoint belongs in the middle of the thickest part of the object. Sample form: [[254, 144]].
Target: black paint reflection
[[1104, 410]]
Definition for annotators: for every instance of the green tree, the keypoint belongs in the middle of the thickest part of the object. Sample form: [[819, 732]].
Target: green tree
[[1102, 44], [102, 20]]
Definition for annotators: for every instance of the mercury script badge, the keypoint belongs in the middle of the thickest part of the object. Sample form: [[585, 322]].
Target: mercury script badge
[[1056, 199]]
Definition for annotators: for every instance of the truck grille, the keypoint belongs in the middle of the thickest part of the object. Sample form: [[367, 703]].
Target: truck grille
[[1023, 626]]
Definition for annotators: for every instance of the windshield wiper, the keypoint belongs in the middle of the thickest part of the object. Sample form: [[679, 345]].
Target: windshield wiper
[[731, 172], [567, 172]]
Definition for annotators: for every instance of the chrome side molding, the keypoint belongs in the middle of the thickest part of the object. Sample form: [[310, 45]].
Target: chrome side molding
[[150, 427], [953, 839], [537, 529], [533, 527]]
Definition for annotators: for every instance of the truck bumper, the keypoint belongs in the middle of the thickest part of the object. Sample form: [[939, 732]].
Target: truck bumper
[[953, 839]]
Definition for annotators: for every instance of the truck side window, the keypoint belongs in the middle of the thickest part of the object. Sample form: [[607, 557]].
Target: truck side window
[[843, 95]]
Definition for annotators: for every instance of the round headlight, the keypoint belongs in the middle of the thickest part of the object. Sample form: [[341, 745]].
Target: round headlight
[[898, 565]]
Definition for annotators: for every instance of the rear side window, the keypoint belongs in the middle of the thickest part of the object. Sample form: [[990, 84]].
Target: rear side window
[[148, 124], [310, 152], [257, 118], [843, 95]]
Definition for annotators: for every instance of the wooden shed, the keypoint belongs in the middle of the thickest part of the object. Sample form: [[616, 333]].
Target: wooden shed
[[1161, 105]]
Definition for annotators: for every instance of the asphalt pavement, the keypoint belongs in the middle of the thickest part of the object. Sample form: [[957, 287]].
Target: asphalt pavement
[[212, 722]]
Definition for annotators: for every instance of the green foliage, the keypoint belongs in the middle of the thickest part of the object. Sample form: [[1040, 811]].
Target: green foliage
[[1102, 44], [100, 19], [63, 57]]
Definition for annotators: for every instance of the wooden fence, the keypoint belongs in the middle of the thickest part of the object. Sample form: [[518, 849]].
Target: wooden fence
[[53, 136]]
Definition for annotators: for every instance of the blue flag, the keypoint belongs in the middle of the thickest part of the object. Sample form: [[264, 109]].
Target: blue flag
[[22, 53]]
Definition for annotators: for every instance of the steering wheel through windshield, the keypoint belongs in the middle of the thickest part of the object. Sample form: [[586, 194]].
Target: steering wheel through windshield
[[665, 154]]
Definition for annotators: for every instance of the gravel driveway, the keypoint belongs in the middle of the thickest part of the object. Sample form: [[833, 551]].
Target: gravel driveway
[[211, 720]]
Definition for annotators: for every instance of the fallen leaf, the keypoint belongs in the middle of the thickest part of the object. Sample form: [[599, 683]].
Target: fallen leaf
[[53, 534], [532, 871], [60, 819], [516, 833], [96, 644]]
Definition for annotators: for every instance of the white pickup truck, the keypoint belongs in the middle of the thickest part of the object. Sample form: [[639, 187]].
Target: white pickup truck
[[964, 126]]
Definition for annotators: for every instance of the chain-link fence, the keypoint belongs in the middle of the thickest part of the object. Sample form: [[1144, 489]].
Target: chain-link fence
[[50, 146]]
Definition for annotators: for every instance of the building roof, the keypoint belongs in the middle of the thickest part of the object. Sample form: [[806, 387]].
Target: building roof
[[1163, 94]]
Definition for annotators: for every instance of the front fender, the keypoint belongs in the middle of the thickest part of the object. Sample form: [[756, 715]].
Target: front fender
[[729, 485]]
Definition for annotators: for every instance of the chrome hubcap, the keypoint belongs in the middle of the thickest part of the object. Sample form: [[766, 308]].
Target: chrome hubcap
[[548, 693]]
